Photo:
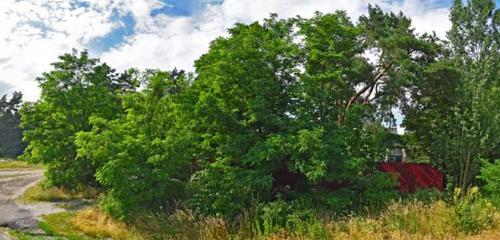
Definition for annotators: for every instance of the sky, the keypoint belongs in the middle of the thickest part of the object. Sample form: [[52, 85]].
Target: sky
[[153, 33]]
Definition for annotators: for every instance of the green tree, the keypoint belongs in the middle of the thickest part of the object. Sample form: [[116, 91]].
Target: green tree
[[283, 98], [454, 114], [10, 134], [142, 153], [240, 115], [79, 87]]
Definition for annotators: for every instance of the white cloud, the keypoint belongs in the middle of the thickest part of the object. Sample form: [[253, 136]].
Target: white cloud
[[33, 33], [178, 41]]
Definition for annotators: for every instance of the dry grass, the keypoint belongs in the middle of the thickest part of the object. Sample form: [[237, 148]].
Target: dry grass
[[39, 193], [95, 223], [88, 223], [404, 222], [182, 225], [58, 224], [399, 221]]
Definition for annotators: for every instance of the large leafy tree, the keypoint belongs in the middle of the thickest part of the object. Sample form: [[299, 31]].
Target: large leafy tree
[[79, 87], [241, 113], [298, 98], [10, 134], [280, 109], [144, 167], [454, 113]]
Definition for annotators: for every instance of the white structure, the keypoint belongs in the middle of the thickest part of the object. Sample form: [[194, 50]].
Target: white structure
[[396, 155]]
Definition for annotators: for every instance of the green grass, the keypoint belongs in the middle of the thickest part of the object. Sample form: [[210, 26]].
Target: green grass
[[6, 164], [39, 193], [60, 225], [26, 236], [87, 224]]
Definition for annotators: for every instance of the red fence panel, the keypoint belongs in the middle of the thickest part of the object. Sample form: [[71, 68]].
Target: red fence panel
[[415, 175]]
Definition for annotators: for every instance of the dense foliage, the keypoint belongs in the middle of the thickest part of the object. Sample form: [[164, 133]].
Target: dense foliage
[[79, 87], [277, 115], [455, 115], [490, 174], [10, 134], [142, 156]]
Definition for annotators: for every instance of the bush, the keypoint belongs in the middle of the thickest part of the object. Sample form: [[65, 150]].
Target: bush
[[426, 195], [222, 190], [490, 174], [340, 201], [298, 217], [380, 189], [472, 213]]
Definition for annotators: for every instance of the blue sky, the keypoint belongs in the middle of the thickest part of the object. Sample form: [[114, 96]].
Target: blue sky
[[153, 33], [172, 7]]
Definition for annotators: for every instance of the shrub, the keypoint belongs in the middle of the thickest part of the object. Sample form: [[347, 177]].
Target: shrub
[[340, 201], [297, 217], [222, 190], [426, 195], [380, 189], [490, 174], [472, 213]]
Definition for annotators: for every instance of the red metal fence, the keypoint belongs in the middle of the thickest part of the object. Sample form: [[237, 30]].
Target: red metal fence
[[415, 175]]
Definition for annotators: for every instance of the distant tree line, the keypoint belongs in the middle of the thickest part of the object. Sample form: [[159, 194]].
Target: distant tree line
[[10, 133], [284, 97]]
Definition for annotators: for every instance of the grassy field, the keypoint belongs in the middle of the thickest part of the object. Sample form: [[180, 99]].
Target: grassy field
[[399, 220]]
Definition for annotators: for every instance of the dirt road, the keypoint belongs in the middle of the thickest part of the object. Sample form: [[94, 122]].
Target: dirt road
[[13, 183]]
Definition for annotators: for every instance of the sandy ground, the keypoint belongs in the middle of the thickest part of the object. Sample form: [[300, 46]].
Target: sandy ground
[[13, 183]]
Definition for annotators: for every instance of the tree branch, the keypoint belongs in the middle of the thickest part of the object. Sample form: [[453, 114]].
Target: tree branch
[[380, 73]]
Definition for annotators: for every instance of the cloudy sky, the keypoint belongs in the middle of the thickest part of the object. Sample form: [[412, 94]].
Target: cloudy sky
[[152, 33]]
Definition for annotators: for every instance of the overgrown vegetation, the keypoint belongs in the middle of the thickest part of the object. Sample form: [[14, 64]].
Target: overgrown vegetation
[[275, 133], [278, 220]]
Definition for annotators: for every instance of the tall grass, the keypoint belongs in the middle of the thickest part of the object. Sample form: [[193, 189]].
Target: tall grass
[[464, 216], [399, 220], [95, 223]]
